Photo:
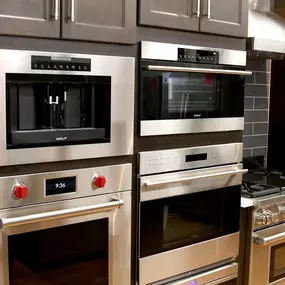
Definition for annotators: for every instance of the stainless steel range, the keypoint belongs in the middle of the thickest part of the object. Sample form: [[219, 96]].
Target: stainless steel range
[[189, 214], [59, 106], [265, 192], [69, 227]]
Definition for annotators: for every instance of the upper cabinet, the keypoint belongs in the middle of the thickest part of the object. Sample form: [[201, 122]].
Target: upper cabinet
[[100, 20], [175, 14], [92, 20], [29, 18], [224, 17]]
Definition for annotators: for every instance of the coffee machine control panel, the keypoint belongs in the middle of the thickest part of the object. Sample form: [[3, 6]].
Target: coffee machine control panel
[[60, 63]]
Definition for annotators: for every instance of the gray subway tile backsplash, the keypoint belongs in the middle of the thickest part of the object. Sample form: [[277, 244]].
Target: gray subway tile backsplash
[[247, 152], [261, 103], [252, 90], [252, 116], [260, 128], [256, 105], [248, 103], [259, 151], [248, 129], [254, 141], [262, 78]]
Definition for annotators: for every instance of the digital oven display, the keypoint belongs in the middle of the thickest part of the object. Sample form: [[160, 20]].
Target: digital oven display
[[60, 185]]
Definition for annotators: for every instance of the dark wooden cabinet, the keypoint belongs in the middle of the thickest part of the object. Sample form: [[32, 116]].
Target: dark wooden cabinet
[[222, 17], [176, 14], [37, 18], [100, 20]]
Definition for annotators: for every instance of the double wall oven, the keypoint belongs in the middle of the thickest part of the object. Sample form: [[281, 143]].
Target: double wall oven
[[57, 106], [190, 89], [189, 214], [69, 227]]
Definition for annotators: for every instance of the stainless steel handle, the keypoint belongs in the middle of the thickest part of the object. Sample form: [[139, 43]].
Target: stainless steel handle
[[198, 70], [198, 13], [66, 213], [55, 14], [266, 240], [189, 179], [71, 16], [208, 14]]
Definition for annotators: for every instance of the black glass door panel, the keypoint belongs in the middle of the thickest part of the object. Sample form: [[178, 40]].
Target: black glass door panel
[[277, 262], [183, 95], [175, 222], [67, 255], [47, 110]]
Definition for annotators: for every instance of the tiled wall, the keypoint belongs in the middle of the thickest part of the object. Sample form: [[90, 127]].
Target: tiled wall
[[256, 107]]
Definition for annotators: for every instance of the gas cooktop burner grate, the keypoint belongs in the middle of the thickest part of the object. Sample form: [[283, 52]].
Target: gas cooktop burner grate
[[254, 190]]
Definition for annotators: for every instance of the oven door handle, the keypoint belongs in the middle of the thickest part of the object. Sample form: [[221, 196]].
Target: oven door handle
[[266, 240], [60, 214], [198, 70], [189, 179]]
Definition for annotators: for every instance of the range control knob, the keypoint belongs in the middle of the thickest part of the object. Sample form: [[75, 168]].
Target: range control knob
[[20, 191], [99, 181], [261, 219], [273, 216]]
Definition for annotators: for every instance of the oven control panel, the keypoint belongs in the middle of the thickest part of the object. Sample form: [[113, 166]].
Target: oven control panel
[[47, 187], [199, 56], [60, 63]]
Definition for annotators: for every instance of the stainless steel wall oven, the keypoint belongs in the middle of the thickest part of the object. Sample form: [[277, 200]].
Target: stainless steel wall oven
[[64, 106], [189, 89], [68, 227], [189, 210]]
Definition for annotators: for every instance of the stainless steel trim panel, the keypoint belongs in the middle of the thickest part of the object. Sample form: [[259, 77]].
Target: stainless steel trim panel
[[175, 159], [119, 178], [186, 126], [178, 261], [119, 220], [122, 107], [198, 70], [270, 235], [165, 51], [211, 277], [181, 183]]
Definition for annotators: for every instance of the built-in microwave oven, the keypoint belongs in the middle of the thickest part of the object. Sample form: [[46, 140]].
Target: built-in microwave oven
[[58, 106], [189, 89]]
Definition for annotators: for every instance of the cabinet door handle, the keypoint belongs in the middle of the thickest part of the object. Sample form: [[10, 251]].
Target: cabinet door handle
[[55, 14], [198, 12], [208, 13], [71, 16]]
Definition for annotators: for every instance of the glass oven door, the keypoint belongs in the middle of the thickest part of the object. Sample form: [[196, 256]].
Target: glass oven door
[[180, 221], [190, 91], [268, 256], [87, 244], [188, 220]]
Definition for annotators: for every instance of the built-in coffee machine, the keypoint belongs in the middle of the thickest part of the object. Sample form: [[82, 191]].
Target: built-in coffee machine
[[64, 106]]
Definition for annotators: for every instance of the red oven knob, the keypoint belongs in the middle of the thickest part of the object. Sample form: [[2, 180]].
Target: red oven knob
[[20, 191], [100, 181]]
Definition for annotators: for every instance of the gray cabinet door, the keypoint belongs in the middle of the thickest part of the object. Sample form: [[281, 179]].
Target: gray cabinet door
[[225, 17], [30, 18], [100, 20], [175, 14]]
